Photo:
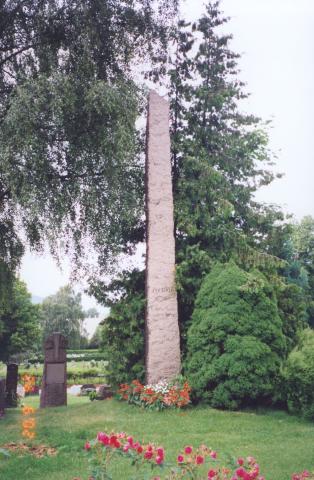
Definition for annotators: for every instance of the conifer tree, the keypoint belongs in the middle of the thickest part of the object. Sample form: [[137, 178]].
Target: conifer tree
[[220, 157]]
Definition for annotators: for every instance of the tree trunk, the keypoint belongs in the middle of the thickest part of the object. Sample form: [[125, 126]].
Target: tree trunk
[[162, 329], [2, 396], [11, 385]]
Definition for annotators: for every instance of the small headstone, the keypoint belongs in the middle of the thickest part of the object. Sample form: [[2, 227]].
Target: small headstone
[[87, 388], [11, 385], [20, 390], [2, 396], [54, 383], [104, 392]]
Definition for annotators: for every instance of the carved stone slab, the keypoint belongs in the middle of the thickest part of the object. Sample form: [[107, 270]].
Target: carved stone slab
[[162, 330], [55, 373], [54, 383]]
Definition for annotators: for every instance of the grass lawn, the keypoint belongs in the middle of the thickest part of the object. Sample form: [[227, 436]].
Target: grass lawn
[[281, 443]]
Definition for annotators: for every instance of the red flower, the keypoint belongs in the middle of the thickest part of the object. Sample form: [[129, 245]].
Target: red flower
[[211, 474], [148, 455], [103, 438], [160, 452], [199, 460], [240, 461], [188, 450], [241, 472], [139, 449], [87, 446], [180, 459]]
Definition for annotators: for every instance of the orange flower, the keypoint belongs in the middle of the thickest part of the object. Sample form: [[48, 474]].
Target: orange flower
[[29, 424], [28, 410], [28, 434]]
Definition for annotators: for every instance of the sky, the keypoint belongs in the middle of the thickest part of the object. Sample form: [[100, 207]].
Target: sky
[[275, 40]]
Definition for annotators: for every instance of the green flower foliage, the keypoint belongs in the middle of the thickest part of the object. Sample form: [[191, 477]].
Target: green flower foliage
[[298, 375], [235, 343]]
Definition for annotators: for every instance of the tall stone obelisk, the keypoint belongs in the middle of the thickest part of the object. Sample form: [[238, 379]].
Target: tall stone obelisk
[[162, 329]]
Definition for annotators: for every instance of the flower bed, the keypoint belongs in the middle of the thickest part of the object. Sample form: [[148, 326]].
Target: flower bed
[[150, 461], [158, 396]]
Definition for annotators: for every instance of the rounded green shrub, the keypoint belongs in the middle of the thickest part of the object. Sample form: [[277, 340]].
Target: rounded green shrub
[[236, 341], [298, 375]]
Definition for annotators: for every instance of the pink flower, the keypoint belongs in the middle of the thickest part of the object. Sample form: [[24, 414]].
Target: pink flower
[[240, 461], [87, 446], [113, 440], [126, 448], [130, 440], [188, 450], [180, 459], [199, 460], [213, 454], [148, 455], [211, 474], [241, 472], [103, 438], [160, 452], [159, 459]]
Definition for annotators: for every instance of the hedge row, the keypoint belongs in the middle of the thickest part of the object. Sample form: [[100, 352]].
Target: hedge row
[[73, 357]]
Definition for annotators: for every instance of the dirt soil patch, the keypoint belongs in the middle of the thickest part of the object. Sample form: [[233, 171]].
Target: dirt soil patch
[[37, 451]]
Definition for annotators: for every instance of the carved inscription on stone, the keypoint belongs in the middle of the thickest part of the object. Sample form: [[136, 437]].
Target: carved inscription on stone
[[55, 373], [164, 290]]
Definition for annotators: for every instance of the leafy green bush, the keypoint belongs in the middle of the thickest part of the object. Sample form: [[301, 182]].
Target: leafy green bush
[[235, 342], [292, 311], [298, 374], [123, 331], [73, 356]]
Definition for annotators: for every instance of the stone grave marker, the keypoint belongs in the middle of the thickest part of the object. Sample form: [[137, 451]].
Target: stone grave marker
[[54, 383], [104, 392], [161, 323]]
